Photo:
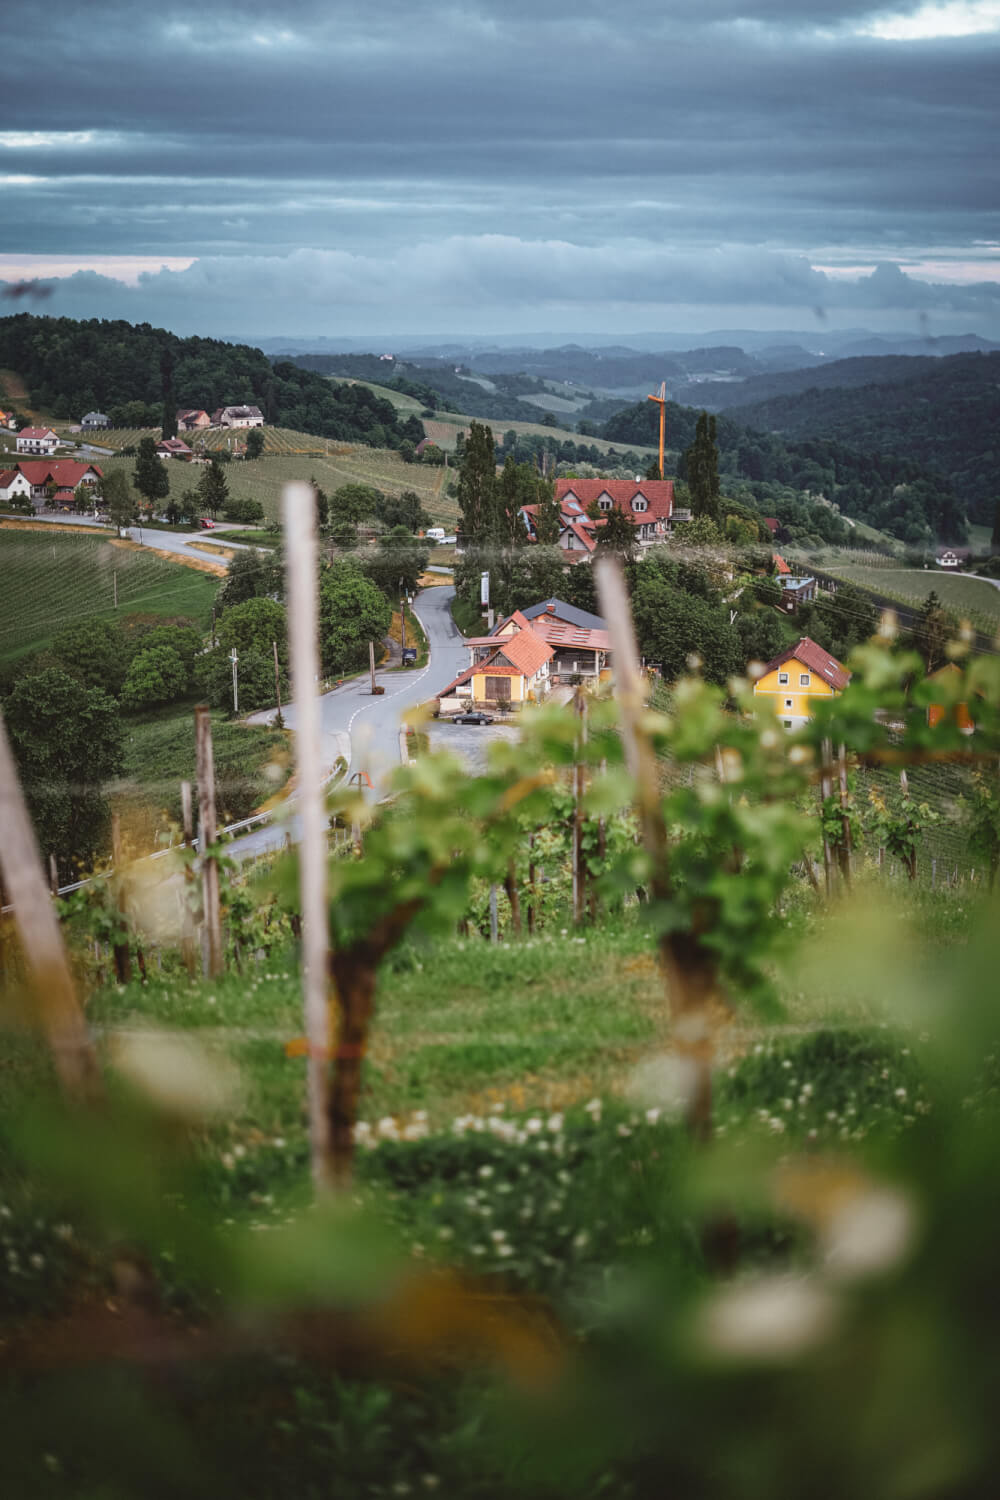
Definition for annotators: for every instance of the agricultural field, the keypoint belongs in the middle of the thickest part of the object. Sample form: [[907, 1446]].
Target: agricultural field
[[973, 599], [52, 579]]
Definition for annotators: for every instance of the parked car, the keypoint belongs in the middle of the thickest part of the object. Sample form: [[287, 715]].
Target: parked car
[[206, 524], [473, 717]]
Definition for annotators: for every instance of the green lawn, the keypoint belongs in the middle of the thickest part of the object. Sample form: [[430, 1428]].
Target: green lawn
[[53, 579]]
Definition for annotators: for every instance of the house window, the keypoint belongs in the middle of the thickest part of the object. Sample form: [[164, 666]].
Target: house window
[[803, 679], [787, 723], [783, 679], [605, 502], [788, 702], [640, 503]]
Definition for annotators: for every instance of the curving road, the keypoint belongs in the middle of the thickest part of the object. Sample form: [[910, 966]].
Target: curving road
[[365, 729]]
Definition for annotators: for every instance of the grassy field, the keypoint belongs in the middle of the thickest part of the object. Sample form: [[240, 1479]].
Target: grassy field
[[971, 598], [52, 580], [251, 765]]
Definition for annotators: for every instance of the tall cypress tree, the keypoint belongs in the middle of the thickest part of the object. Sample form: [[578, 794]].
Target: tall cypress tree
[[702, 463], [477, 485], [150, 477], [169, 426]]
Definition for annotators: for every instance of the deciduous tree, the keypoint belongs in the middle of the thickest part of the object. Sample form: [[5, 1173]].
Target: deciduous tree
[[150, 476]]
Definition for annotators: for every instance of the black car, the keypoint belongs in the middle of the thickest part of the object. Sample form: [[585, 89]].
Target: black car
[[473, 718]]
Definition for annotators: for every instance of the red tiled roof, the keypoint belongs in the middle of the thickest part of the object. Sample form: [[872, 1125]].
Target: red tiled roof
[[526, 651], [36, 432], [558, 633], [816, 659], [772, 523], [658, 493], [780, 564], [516, 619], [7, 477], [580, 530], [63, 470]]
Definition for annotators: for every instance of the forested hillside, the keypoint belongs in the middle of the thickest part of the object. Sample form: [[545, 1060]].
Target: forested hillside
[[894, 494], [886, 369], [945, 416], [133, 372], [437, 384]]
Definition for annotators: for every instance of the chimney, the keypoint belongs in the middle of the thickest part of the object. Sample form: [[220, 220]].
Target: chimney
[[550, 608]]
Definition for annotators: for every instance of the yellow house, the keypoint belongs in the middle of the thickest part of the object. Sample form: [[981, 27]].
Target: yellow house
[[795, 679]]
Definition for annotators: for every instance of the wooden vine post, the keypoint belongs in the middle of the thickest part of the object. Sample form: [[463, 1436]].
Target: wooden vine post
[[188, 952], [59, 1014], [302, 563], [845, 846], [689, 967], [826, 792], [120, 950], [579, 872], [207, 834]]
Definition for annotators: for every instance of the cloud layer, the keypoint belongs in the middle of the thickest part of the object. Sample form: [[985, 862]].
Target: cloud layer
[[533, 158]]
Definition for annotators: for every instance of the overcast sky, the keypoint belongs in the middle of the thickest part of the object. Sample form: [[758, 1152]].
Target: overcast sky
[[504, 166]]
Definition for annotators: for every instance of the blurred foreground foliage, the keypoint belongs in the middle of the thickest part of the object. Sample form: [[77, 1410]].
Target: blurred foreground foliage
[[586, 1305]]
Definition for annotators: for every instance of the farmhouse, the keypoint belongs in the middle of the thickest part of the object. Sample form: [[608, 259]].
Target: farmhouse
[[38, 474], [585, 503], [172, 448], [94, 419], [37, 440], [14, 485], [529, 653], [796, 678], [238, 416], [193, 419]]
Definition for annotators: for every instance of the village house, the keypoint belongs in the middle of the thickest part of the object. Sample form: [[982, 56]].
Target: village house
[[192, 420], [37, 440], [528, 655], [172, 448], [238, 416], [648, 504], [796, 591], [94, 419], [32, 477], [793, 681]]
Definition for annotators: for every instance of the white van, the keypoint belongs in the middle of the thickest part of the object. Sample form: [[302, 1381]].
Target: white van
[[435, 533]]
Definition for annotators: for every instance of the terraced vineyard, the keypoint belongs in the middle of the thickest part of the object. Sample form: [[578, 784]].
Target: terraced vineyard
[[972, 599], [52, 580]]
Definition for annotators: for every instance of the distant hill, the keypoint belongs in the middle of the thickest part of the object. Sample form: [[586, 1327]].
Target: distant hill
[[895, 494], [126, 370], [943, 414]]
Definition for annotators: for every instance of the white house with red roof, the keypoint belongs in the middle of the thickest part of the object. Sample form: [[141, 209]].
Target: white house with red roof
[[172, 448], [37, 440], [648, 504], [33, 477]]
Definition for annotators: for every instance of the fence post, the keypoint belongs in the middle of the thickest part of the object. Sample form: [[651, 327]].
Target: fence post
[[188, 953], [207, 831], [494, 916], [122, 956], [826, 792]]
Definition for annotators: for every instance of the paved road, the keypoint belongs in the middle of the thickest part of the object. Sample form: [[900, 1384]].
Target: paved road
[[365, 729], [185, 544]]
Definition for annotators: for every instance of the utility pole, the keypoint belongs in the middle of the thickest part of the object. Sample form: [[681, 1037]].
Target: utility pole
[[277, 677], [402, 616], [236, 693], [661, 401], [371, 664], [114, 577]]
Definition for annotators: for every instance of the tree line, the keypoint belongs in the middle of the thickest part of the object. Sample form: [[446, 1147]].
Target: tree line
[[139, 376]]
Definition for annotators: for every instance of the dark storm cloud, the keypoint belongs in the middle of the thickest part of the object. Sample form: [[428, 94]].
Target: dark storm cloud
[[391, 133]]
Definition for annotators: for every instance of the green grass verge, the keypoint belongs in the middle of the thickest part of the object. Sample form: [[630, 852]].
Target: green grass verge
[[53, 579]]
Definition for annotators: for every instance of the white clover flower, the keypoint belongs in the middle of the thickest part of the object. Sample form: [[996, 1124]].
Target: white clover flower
[[776, 1125], [498, 1235], [486, 1171], [769, 1319], [652, 1115], [505, 1250], [555, 1123], [593, 1109], [446, 1232], [870, 1233], [581, 1240], [533, 1126], [623, 1130]]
